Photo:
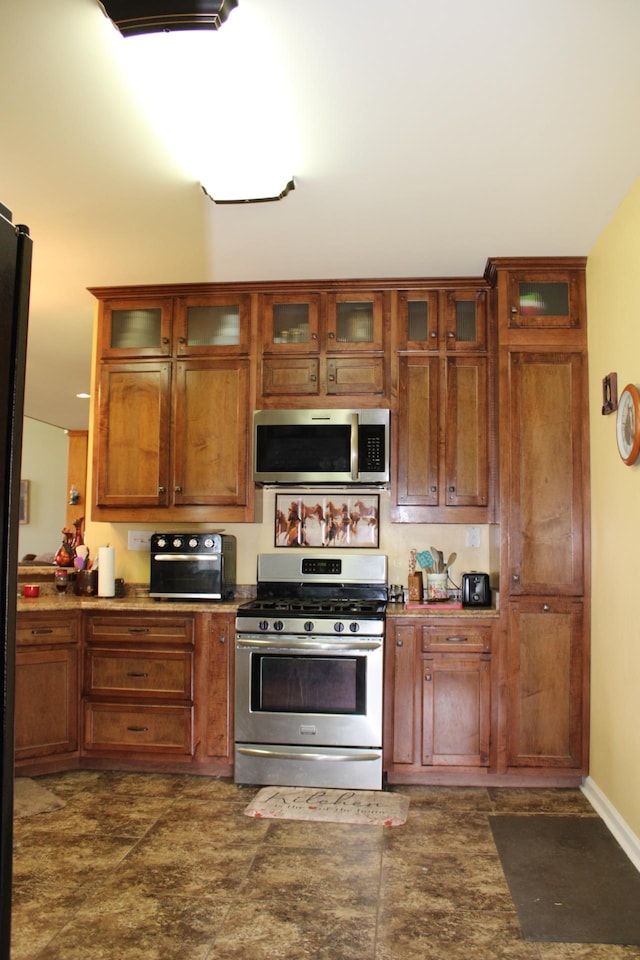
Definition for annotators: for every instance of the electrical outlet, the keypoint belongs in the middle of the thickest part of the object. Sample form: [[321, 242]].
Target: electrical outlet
[[139, 540], [473, 536]]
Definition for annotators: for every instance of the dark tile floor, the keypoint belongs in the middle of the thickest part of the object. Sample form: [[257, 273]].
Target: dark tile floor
[[154, 867]]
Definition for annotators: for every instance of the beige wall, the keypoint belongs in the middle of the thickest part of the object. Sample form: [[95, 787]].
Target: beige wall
[[613, 291]]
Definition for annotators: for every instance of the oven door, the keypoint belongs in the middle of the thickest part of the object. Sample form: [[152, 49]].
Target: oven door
[[191, 576], [309, 711]]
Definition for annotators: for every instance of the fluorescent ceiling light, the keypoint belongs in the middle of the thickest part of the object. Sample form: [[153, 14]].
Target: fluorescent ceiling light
[[219, 100]]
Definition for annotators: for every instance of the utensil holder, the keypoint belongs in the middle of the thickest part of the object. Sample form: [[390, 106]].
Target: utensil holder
[[437, 587]]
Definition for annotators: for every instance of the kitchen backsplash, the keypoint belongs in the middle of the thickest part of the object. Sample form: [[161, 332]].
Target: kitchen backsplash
[[396, 540]]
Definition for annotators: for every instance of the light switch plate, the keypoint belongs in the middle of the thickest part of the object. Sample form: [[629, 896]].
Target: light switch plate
[[139, 539]]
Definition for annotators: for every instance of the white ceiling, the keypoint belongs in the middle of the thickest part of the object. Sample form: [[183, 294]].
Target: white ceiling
[[431, 134]]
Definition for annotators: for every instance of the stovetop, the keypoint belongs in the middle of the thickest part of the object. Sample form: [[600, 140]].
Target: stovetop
[[306, 607]]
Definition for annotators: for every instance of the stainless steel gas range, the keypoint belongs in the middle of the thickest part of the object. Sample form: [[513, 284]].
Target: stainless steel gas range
[[309, 668]]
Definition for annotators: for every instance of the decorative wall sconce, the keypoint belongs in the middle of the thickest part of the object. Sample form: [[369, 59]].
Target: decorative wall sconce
[[133, 17], [609, 393]]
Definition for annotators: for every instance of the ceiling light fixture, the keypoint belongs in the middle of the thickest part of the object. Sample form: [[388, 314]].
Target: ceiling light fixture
[[133, 17], [219, 101]]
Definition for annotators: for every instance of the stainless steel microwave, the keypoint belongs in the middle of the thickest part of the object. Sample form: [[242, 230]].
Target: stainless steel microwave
[[321, 446]]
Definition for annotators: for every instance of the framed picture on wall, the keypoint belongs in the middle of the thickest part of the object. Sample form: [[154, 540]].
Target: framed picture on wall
[[339, 519], [23, 512]]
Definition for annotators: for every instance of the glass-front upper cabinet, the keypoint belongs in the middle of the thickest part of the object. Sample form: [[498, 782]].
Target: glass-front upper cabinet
[[355, 321], [136, 328], [418, 320], [465, 320], [544, 299], [290, 323], [213, 324]]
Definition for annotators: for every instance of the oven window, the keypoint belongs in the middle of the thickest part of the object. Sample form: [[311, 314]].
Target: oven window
[[284, 683]]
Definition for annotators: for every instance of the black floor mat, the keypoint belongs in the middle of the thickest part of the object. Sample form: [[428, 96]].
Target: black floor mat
[[570, 880]]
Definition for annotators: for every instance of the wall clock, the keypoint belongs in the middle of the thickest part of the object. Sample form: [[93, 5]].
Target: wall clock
[[628, 424]]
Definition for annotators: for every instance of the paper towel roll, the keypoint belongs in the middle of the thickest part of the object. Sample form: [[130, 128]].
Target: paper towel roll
[[106, 572]]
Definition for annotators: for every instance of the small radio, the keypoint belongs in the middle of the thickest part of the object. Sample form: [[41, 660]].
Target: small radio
[[476, 591]]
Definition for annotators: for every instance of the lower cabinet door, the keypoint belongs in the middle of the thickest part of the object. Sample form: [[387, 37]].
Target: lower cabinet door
[[456, 710], [133, 728], [46, 715]]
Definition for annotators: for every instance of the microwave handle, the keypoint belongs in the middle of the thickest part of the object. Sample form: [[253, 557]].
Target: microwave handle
[[355, 421]]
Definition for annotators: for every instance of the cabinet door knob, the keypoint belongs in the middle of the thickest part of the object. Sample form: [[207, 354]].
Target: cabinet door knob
[[546, 607], [331, 377], [399, 643], [452, 489], [177, 489], [332, 335], [182, 339], [427, 677], [165, 339], [161, 490], [516, 578], [433, 489], [451, 335], [314, 336], [313, 378]]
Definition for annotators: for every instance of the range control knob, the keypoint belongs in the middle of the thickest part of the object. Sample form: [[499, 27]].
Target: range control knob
[[263, 625], [193, 542], [308, 626], [177, 542], [339, 626], [278, 625], [354, 627]]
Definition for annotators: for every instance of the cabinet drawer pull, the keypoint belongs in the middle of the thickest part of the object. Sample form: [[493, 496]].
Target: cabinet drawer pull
[[456, 640], [138, 629], [546, 607], [138, 729], [41, 630], [134, 673]]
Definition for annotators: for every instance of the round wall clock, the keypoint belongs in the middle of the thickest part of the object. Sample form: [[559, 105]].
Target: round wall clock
[[628, 424]]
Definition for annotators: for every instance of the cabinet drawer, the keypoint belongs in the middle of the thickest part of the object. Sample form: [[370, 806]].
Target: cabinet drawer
[[39, 631], [147, 673], [131, 728], [142, 630], [457, 638]]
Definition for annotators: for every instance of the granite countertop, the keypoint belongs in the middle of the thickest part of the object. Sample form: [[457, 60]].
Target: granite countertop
[[440, 610]]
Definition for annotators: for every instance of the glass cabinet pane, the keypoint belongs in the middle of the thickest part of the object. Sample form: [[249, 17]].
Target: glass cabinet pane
[[466, 321], [354, 322], [132, 329], [417, 319], [290, 323], [213, 325], [544, 299]]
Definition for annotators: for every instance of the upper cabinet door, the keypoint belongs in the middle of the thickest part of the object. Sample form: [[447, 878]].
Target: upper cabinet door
[[465, 321], [136, 328], [417, 325], [354, 322], [212, 325], [290, 323], [545, 300]]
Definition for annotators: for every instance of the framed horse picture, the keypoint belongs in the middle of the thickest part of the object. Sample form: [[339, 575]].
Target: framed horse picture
[[337, 519]]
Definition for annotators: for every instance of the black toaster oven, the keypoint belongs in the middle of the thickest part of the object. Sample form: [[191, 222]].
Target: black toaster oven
[[192, 566]]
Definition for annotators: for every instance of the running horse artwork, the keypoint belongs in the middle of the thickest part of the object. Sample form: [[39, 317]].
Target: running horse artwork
[[336, 520]]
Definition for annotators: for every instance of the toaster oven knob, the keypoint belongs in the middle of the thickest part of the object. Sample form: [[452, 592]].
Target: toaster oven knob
[[208, 543], [161, 542], [278, 625], [308, 626], [193, 543], [177, 542], [339, 626], [354, 627]]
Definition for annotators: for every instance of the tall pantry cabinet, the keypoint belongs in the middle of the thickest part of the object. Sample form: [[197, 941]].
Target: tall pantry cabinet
[[544, 551]]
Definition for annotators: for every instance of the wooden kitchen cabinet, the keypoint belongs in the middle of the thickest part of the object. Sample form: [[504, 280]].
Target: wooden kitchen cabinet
[[138, 688], [214, 698], [323, 346], [151, 325], [444, 441], [546, 684], [47, 691], [544, 532], [438, 707]]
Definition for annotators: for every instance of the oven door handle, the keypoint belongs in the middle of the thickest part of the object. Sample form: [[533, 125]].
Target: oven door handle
[[278, 643], [208, 557], [283, 754]]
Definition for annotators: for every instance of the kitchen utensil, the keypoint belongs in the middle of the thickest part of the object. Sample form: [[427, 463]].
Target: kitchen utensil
[[425, 559], [451, 559], [438, 560]]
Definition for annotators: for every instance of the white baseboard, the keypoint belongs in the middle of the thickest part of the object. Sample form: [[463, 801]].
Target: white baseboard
[[623, 833]]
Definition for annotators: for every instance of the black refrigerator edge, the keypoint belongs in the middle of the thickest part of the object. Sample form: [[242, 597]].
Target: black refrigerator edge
[[15, 279]]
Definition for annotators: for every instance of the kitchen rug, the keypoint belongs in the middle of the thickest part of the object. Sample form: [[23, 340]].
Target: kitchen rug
[[331, 806], [30, 798], [570, 880]]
